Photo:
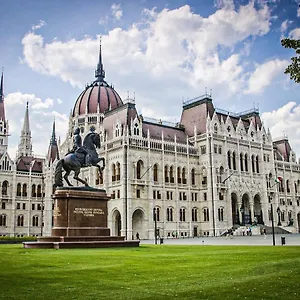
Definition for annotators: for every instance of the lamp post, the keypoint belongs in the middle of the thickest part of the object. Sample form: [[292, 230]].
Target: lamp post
[[242, 212], [155, 224], [272, 219], [278, 213]]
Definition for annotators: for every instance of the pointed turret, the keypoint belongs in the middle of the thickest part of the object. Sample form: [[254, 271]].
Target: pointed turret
[[3, 121], [2, 110], [99, 72], [25, 146], [53, 152]]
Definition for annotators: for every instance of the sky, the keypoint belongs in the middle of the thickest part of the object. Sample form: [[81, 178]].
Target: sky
[[160, 52]]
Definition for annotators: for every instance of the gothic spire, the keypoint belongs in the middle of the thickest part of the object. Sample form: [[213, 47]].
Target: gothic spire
[[2, 110], [53, 152], [99, 72], [53, 141], [25, 146]]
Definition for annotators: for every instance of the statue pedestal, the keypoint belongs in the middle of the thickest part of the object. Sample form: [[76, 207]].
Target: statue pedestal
[[80, 221]]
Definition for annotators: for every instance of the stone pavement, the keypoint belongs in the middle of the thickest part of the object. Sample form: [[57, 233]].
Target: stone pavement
[[255, 240]]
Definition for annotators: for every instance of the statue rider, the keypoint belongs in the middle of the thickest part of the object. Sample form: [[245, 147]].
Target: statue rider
[[77, 143]]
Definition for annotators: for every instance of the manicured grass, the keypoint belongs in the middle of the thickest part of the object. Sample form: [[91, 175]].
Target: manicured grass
[[151, 272]]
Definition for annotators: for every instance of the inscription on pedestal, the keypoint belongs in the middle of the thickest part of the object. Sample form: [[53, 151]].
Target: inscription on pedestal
[[88, 212]]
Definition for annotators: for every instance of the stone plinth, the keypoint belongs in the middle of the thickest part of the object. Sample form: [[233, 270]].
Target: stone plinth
[[80, 212], [80, 221]]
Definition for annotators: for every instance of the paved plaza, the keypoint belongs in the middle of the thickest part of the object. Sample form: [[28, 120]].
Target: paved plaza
[[255, 240]]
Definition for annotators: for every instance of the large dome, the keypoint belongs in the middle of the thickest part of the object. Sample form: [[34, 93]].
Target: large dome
[[97, 98]]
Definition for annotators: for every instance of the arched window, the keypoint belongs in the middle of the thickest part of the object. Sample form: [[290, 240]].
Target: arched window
[[35, 221], [288, 186], [19, 189], [221, 214], [139, 166], [20, 220], [194, 214], [182, 214], [170, 214], [3, 220], [216, 128], [171, 174], [246, 162], [24, 191], [156, 212], [166, 174], [178, 175], [39, 190], [241, 162], [257, 164], [155, 173], [33, 191], [296, 191], [253, 163], [205, 214], [4, 187], [113, 172], [193, 177], [233, 161], [118, 173], [183, 176], [229, 159]]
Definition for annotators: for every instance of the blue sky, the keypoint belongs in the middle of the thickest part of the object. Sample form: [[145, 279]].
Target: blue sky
[[163, 51]]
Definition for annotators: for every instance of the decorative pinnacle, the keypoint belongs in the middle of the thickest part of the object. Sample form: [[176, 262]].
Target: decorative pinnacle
[[99, 72]]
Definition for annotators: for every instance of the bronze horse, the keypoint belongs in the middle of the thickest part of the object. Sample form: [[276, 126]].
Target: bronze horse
[[76, 161]]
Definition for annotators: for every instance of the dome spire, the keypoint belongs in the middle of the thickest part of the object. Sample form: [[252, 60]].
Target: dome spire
[[99, 72], [2, 110]]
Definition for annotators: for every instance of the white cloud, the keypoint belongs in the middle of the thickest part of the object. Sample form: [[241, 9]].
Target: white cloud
[[116, 11], [284, 25], [264, 74], [298, 11], [59, 101], [175, 51], [295, 33], [39, 25], [41, 119], [285, 121]]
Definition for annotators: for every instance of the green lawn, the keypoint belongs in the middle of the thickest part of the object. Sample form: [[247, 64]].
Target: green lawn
[[151, 272]]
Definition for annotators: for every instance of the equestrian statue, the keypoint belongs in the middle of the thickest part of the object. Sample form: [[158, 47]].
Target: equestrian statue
[[82, 155]]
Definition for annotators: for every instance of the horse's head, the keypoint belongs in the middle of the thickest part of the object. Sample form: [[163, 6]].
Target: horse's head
[[92, 140]]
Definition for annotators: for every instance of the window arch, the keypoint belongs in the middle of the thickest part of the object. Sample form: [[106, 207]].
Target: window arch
[[215, 128], [170, 214], [205, 214], [193, 179], [39, 190], [182, 214], [172, 174], [241, 162], [253, 163], [288, 186], [221, 214], [155, 173], [183, 176], [229, 159], [246, 162], [20, 220], [166, 174], [139, 167], [194, 214], [136, 130], [113, 172], [4, 187], [35, 221], [33, 191], [2, 220], [118, 171], [24, 190], [233, 160], [257, 164], [178, 175], [19, 189], [156, 213]]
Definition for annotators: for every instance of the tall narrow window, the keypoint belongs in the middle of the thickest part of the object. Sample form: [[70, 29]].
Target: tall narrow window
[[4, 187], [246, 162], [155, 173], [233, 161], [253, 164], [241, 162], [139, 169], [193, 176], [257, 164], [178, 175], [229, 159]]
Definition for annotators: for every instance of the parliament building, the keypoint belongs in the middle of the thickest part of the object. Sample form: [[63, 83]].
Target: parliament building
[[211, 171]]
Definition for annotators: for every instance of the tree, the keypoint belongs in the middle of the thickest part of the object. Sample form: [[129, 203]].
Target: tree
[[294, 68]]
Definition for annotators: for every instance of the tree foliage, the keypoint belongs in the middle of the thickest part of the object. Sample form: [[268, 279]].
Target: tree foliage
[[294, 68]]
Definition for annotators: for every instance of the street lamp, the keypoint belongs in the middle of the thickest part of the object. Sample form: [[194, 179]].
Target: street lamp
[[242, 212], [155, 224], [278, 212], [272, 219]]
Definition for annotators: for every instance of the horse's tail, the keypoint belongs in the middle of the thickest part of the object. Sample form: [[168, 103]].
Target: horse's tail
[[58, 180]]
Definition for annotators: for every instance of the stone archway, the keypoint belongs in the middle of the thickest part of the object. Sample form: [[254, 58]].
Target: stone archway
[[258, 216], [245, 210], [234, 209], [138, 224], [116, 223]]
